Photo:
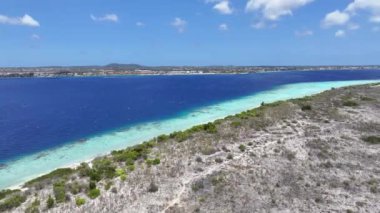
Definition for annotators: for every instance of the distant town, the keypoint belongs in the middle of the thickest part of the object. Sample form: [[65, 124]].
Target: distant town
[[135, 69]]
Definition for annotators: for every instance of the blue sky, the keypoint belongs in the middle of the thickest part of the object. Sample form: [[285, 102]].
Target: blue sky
[[189, 32]]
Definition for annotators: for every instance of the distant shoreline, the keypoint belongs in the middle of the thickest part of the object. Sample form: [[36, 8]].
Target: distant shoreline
[[126, 70]]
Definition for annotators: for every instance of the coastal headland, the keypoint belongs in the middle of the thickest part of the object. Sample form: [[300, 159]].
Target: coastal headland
[[313, 154]]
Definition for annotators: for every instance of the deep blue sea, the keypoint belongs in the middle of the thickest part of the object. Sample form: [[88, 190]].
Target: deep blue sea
[[42, 113]]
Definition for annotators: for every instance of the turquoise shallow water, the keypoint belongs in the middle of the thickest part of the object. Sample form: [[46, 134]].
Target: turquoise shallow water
[[31, 166]]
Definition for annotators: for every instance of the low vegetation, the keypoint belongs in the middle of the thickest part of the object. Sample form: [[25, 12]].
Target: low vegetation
[[94, 193], [12, 202], [59, 192], [372, 139], [50, 202], [306, 108], [56, 174], [242, 148], [350, 103], [34, 207], [80, 201], [7, 192], [152, 187]]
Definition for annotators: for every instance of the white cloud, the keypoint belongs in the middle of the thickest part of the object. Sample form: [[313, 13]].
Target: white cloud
[[26, 20], [107, 17], [274, 9], [372, 5], [223, 7], [259, 25], [353, 26], [140, 24], [223, 27], [179, 24], [375, 19], [340, 33], [304, 33], [342, 18], [35, 37], [336, 18]]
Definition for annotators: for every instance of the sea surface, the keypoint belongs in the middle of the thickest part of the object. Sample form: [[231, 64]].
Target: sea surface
[[46, 123]]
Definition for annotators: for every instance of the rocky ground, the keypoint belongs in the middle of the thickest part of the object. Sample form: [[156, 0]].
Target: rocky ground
[[307, 155]]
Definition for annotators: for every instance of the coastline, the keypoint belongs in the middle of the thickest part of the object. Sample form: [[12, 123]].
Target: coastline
[[317, 150], [167, 73], [122, 139]]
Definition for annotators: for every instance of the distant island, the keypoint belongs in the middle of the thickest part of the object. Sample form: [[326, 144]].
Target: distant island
[[115, 69]]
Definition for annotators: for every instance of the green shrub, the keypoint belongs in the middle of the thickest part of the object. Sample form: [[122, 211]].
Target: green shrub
[[306, 108], [114, 190], [219, 160], [373, 189], [131, 154], [152, 187], [84, 169], [4, 193], [74, 188], [95, 175], [34, 207], [215, 180], [93, 193], [180, 136], [155, 161], [208, 150], [131, 168], [104, 168], [230, 156], [210, 128], [365, 98], [162, 138], [12, 202], [58, 173], [127, 155], [290, 155], [36, 202], [108, 185], [242, 148], [80, 201], [50, 202], [235, 124], [197, 186], [372, 139], [120, 172], [123, 177], [59, 192], [350, 103], [92, 185], [199, 159]]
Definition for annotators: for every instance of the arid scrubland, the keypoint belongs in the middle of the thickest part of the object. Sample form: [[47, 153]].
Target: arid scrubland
[[316, 154]]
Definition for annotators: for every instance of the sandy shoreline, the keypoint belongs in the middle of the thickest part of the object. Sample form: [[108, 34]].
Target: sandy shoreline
[[190, 119], [303, 155]]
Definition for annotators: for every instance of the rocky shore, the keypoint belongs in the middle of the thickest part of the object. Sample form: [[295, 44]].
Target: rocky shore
[[315, 154]]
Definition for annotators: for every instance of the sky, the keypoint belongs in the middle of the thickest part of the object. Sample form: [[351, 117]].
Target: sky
[[189, 32]]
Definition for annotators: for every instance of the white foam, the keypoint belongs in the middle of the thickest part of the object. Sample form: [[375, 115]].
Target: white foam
[[28, 167]]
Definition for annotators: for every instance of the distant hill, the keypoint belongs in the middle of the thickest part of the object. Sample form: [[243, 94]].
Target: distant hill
[[124, 66]]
